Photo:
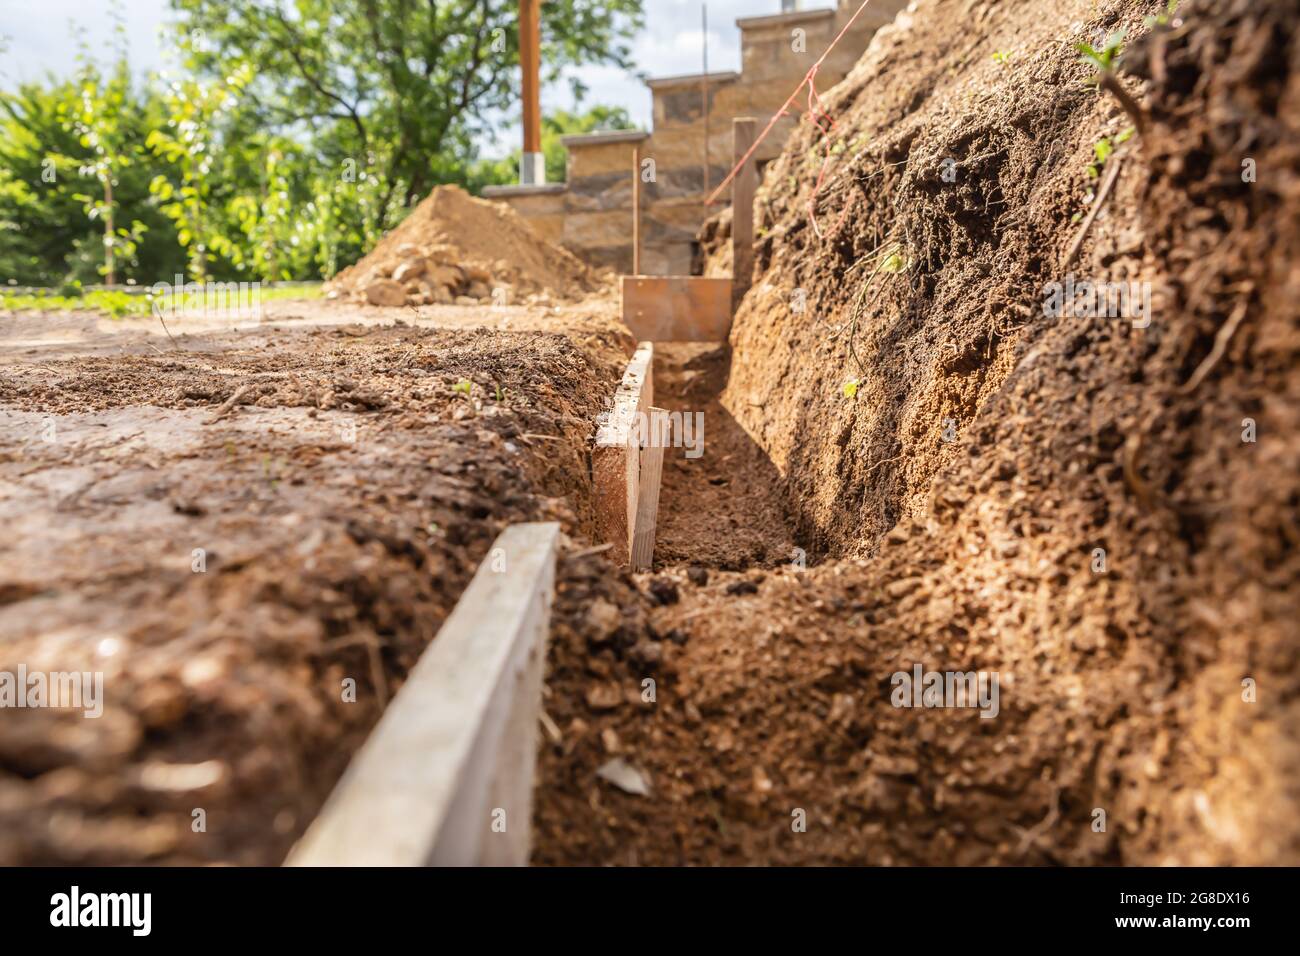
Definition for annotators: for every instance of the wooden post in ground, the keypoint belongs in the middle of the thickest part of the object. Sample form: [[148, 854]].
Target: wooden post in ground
[[636, 210], [446, 777], [653, 440], [616, 458], [743, 187]]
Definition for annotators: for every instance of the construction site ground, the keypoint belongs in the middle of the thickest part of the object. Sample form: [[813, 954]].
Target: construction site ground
[[907, 463]]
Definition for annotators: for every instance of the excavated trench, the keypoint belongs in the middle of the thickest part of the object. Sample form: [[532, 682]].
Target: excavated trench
[[635, 770], [1098, 511]]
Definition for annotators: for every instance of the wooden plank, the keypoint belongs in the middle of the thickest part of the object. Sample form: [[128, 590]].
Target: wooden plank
[[615, 460], [653, 440], [677, 308], [451, 761], [743, 187]]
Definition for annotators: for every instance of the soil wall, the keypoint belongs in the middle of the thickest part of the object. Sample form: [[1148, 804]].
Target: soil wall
[[1101, 508]]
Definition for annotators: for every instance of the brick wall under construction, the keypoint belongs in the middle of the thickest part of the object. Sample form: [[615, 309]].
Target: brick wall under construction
[[690, 147]]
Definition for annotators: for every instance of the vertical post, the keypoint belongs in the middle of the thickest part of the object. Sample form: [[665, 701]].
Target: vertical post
[[636, 210], [704, 89], [742, 209], [651, 444], [533, 164]]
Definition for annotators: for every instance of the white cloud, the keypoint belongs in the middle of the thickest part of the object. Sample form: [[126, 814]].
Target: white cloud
[[40, 35]]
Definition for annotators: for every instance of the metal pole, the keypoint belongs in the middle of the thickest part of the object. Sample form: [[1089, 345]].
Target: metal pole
[[704, 90], [636, 210], [533, 164]]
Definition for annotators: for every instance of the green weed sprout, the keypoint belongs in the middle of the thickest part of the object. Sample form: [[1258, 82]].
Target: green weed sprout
[[1105, 58], [1102, 150]]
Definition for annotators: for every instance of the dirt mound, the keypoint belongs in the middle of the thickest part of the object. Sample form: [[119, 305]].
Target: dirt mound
[[1099, 506], [454, 247]]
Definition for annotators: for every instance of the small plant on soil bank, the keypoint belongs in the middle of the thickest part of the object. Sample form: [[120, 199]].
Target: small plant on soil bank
[[1104, 59], [890, 259], [1101, 150], [1162, 19]]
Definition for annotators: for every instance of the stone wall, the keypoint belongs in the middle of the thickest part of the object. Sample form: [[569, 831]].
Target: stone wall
[[591, 214]]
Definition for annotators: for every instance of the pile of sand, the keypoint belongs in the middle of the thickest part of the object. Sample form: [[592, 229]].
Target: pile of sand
[[454, 248]]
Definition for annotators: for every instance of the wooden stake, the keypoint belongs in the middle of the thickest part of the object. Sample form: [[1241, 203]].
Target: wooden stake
[[704, 88], [615, 460], [647, 506], [530, 60]]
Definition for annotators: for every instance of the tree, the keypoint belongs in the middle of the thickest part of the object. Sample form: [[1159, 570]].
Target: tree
[[50, 184], [407, 84]]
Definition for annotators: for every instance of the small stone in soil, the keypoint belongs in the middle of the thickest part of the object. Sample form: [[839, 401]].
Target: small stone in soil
[[604, 697], [663, 590], [647, 652], [742, 587], [697, 576], [603, 619]]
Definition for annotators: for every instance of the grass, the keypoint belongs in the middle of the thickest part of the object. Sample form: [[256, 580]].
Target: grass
[[121, 304]]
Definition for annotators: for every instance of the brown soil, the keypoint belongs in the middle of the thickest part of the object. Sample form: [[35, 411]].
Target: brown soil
[[720, 509], [962, 492], [483, 240], [343, 498], [949, 508]]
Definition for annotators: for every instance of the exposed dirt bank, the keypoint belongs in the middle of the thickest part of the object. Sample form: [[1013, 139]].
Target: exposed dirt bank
[[1100, 510]]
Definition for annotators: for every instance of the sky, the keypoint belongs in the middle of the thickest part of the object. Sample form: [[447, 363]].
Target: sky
[[40, 38]]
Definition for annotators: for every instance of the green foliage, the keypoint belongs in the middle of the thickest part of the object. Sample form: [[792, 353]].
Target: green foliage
[[1101, 151], [894, 263], [294, 136], [1107, 57], [406, 85], [54, 168], [114, 303]]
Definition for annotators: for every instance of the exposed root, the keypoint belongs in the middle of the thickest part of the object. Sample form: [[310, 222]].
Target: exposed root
[[1112, 174], [1221, 342], [229, 404]]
